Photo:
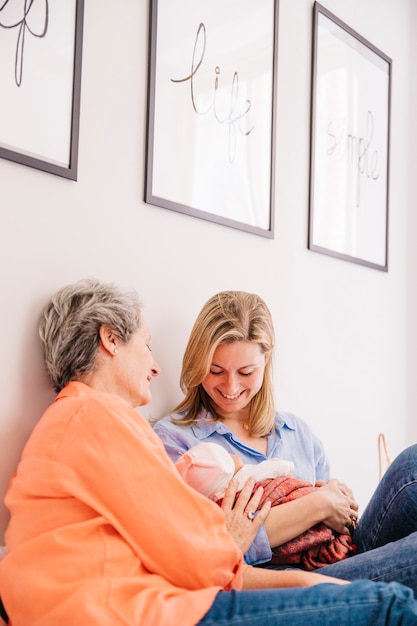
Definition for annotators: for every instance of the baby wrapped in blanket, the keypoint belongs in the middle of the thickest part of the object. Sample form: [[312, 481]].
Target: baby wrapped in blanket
[[208, 468]]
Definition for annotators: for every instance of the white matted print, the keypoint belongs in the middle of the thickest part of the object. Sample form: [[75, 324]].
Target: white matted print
[[40, 74], [211, 103], [350, 144]]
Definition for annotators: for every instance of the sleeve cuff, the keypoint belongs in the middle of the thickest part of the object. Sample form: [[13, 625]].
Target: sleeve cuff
[[260, 550]]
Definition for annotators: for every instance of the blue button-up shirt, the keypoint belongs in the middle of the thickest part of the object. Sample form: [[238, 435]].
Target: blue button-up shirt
[[291, 439]]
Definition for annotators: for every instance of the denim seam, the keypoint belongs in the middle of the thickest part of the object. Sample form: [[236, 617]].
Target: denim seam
[[386, 509]]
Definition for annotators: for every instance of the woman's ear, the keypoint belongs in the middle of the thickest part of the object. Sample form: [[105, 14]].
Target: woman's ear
[[108, 339]]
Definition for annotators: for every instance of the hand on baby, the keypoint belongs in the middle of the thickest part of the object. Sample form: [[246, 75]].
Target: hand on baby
[[241, 521]]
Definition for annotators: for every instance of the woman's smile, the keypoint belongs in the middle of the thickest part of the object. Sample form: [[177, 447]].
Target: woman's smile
[[234, 396]]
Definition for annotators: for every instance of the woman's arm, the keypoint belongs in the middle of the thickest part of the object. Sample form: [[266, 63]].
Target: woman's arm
[[127, 478], [332, 504], [258, 578]]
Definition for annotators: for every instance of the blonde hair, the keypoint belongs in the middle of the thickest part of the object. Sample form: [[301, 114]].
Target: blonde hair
[[227, 317]]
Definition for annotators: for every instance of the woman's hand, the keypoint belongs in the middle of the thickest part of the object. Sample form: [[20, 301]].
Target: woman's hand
[[241, 521], [343, 507]]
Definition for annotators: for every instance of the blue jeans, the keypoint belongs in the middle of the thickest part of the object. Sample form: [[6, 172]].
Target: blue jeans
[[362, 603], [386, 535]]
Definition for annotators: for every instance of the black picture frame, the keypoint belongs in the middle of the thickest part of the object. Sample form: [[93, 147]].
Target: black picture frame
[[350, 135], [199, 161], [40, 74]]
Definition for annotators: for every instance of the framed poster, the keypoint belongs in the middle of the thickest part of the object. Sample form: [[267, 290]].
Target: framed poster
[[40, 77], [211, 110], [349, 177]]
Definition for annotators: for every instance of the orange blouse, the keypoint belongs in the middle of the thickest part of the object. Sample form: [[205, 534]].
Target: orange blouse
[[103, 530]]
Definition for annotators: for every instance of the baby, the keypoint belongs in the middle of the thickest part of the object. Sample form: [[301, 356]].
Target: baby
[[209, 468]]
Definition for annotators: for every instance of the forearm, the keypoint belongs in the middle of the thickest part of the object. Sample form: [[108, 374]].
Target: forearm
[[258, 578], [289, 520]]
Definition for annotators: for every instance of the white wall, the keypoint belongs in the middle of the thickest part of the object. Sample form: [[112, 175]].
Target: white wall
[[408, 161], [345, 333]]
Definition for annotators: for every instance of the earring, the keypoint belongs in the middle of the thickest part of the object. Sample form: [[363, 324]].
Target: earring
[[115, 351]]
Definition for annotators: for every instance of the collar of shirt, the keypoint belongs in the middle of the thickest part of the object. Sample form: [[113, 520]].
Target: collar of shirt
[[206, 427]]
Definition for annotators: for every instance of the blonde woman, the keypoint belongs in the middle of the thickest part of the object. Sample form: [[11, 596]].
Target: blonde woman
[[228, 399]]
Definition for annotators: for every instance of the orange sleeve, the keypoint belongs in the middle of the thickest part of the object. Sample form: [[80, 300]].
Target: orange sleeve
[[139, 492]]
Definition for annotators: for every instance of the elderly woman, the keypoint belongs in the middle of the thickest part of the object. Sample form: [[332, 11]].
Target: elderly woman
[[104, 531]]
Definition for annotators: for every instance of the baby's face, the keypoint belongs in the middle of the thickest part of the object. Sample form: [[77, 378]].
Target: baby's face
[[237, 461]]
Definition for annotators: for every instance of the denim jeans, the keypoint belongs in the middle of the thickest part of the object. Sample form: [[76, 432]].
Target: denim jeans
[[362, 603], [386, 535]]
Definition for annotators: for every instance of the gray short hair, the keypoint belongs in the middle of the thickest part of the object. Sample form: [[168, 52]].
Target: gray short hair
[[70, 324]]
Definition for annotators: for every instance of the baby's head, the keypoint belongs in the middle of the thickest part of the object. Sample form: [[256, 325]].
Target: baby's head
[[208, 468]]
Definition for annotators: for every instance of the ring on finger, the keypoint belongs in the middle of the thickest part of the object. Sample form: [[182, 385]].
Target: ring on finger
[[250, 515]]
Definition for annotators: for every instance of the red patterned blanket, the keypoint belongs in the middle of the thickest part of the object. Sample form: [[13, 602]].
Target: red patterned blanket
[[314, 548]]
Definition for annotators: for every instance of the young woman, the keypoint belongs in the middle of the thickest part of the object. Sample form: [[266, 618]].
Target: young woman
[[228, 399]]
